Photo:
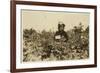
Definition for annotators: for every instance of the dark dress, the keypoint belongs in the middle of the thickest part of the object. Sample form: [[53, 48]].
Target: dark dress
[[61, 35]]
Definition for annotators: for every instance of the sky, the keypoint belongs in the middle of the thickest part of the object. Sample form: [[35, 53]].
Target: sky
[[48, 20]]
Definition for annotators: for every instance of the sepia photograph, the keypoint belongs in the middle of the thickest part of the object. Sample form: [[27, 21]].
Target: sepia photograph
[[54, 35]]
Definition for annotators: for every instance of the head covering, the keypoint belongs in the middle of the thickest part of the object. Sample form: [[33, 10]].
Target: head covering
[[61, 24]]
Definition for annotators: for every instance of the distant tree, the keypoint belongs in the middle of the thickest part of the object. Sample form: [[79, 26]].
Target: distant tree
[[87, 29]]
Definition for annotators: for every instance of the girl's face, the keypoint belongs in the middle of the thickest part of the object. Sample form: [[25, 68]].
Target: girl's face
[[61, 28]]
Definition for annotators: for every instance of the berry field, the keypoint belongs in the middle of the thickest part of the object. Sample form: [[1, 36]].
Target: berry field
[[40, 46]]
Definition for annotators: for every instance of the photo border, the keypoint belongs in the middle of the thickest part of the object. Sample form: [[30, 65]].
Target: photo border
[[13, 35]]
